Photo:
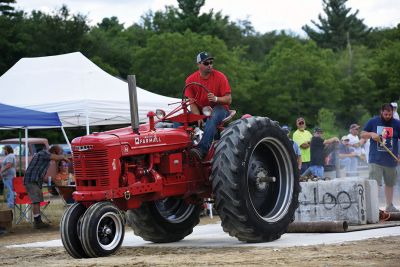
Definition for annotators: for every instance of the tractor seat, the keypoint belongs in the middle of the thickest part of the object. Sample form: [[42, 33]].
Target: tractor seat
[[227, 119]]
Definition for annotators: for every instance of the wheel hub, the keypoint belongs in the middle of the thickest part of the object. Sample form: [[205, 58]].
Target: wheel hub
[[106, 230], [262, 178]]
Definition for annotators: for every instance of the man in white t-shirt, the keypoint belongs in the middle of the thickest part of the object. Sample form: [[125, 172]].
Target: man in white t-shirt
[[355, 142]]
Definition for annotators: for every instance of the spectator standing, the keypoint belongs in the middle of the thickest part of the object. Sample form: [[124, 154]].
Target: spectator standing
[[33, 179], [7, 173], [317, 147], [296, 147], [356, 142], [395, 114], [347, 156], [383, 131], [219, 98], [303, 139]]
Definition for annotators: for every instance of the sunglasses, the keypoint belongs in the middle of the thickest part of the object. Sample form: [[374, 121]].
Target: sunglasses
[[301, 123], [206, 63]]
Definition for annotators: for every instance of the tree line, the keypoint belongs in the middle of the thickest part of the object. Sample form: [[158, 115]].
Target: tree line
[[338, 74]]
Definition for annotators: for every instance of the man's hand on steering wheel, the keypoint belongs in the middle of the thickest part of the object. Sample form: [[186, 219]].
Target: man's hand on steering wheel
[[212, 98]]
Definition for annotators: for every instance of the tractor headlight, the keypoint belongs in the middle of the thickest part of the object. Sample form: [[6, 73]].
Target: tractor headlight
[[160, 114], [207, 111]]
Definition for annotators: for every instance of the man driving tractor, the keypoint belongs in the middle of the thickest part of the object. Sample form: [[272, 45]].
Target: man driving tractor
[[218, 97]]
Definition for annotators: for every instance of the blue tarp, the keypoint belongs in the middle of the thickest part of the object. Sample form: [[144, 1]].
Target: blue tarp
[[11, 116]]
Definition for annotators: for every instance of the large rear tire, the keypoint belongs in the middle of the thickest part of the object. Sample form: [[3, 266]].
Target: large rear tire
[[163, 221], [70, 230], [102, 229], [255, 180]]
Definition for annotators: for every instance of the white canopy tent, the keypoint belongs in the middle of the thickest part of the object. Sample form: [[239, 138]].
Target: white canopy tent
[[78, 90]]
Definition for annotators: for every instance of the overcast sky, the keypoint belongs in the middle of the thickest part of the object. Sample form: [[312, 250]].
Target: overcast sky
[[265, 15]]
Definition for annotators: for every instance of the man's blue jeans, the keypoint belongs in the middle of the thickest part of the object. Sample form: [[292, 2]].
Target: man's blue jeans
[[349, 163], [315, 170], [8, 183], [218, 115]]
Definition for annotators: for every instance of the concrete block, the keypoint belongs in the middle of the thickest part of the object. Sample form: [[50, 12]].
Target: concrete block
[[352, 213], [306, 213], [339, 199], [363, 174], [314, 213], [372, 203], [352, 174], [309, 193], [345, 190], [330, 174]]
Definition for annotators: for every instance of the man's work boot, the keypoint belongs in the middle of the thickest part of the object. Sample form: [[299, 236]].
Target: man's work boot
[[197, 153], [39, 224]]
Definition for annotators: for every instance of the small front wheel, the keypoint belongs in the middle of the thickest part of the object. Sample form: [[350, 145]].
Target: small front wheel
[[70, 230], [102, 229]]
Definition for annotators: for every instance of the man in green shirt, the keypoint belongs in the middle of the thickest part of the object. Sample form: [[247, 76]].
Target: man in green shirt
[[303, 138]]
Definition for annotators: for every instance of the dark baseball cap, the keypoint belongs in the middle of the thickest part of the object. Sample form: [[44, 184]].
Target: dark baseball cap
[[203, 56], [354, 126], [286, 129], [318, 130]]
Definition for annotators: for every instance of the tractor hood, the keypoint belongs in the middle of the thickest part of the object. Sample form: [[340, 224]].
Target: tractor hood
[[145, 142]]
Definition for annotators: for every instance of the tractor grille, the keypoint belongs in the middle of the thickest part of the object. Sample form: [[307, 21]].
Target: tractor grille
[[91, 168]]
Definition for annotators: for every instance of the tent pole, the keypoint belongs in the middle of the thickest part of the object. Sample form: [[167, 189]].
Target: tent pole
[[66, 137], [20, 150], [26, 148], [87, 120]]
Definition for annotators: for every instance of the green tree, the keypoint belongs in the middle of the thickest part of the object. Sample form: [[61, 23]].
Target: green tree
[[40, 34], [298, 79], [54, 34], [327, 121], [11, 40], [6, 8], [188, 17], [357, 84], [339, 28], [386, 75], [379, 36], [164, 64], [109, 44]]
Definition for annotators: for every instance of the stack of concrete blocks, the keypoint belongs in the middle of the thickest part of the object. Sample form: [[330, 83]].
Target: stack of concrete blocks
[[362, 171], [350, 199]]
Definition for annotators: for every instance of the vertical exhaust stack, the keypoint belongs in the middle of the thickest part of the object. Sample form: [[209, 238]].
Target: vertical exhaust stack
[[133, 103]]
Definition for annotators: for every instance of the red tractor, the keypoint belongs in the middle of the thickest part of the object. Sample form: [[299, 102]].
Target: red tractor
[[145, 177]]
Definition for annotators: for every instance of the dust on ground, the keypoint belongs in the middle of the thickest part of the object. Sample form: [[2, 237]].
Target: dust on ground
[[371, 252]]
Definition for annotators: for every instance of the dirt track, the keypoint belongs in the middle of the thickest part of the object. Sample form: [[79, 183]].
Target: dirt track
[[372, 252]]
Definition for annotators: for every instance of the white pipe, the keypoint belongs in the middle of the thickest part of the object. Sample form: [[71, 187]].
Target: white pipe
[[87, 119], [26, 148], [66, 138]]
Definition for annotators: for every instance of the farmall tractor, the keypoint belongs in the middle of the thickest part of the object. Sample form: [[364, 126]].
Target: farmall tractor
[[144, 177]]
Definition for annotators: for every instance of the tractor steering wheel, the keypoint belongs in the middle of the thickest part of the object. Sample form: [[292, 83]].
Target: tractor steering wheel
[[186, 102], [184, 98]]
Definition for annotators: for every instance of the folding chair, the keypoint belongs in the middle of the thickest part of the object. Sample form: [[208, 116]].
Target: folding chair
[[65, 192], [24, 204]]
